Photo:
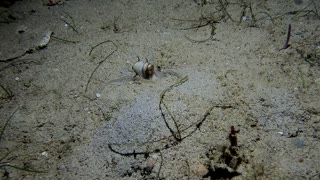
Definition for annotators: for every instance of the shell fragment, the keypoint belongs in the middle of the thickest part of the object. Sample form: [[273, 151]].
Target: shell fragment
[[144, 70], [45, 40]]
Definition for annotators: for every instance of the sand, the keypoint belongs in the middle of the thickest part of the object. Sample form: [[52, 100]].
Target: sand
[[72, 108]]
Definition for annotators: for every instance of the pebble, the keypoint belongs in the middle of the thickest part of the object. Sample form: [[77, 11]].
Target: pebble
[[200, 169], [150, 164], [22, 29], [44, 154]]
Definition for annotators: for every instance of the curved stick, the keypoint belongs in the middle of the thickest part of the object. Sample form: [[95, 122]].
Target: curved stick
[[286, 45]]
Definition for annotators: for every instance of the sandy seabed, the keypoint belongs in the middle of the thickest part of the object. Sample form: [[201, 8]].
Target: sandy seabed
[[72, 108]]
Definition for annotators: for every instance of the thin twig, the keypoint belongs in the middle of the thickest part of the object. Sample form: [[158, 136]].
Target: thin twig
[[199, 123], [298, 12], [203, 22], [188, 167], [17, 63], [6, 123], [196, 126], [73, 23], [103, 42], [69, 17], [252, 15], [7, 163], [198, 26], [21, 168], [315, 8], [134, 153], [201, 41], [28, 51], [265, 17], [286, 45], [223, 8], [176, 135], [13, 58], [198, 41], [6, 155], [64, 40], [8, 91], [302, 10], [161, 164], [101, 62], [73, 28]]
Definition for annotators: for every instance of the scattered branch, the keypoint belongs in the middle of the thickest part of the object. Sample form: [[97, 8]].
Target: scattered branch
[[103, 42], [6, 157], [199, 123], [161, 164], [101, 62], [134, 153], [8, 92], [253, 17], [188, 168], [29, 51], [176, 135], [73, 28], [224, 9], [69, 24], [64, 40], [42, 44], [21, 168], [268, 15], [6, 123], [208, 21]]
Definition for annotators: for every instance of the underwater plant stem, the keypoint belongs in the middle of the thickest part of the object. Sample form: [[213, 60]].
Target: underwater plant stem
[[6, 123], [286, 45], [176, 135]]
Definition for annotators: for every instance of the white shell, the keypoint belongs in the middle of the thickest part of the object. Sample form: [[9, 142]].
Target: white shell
[[45, 40], [144, 70], [244, 18], [138, 68], [44, 154]]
